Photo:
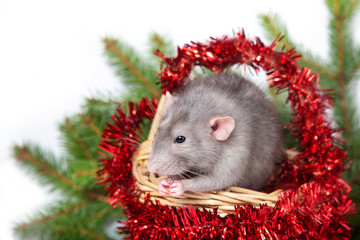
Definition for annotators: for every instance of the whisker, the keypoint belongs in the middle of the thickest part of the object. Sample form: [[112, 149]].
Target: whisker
[[186, 175], [133, 136], [189, 171], [147, 146], [152, 108]]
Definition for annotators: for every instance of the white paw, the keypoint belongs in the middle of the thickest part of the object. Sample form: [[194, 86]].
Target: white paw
[[171, 187]]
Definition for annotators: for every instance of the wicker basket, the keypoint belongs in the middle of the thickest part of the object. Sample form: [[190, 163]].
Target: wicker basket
[[225, 200]]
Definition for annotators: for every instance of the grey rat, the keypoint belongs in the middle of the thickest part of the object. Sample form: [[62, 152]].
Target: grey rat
[[217, 132]]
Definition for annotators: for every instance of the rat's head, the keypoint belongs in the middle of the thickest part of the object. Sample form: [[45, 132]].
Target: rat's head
[[184, 144]]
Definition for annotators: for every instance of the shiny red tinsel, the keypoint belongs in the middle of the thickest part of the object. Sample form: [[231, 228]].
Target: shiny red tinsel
[[313, 206]]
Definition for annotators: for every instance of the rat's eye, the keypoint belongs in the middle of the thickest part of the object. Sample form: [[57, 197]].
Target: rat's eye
[[180, 139]]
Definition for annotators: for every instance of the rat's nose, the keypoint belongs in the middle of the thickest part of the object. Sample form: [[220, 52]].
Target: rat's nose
[[152, 168]]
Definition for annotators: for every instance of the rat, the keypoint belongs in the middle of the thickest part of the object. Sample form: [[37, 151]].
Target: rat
[[216, 132]]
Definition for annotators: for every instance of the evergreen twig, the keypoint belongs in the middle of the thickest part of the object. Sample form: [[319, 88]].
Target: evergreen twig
[[338, 72], [24, 154], [340, 76], [85, 173], [89, 122], [275, 28], [356, 68], [83, 231], [84, 210], [101, 101], [70, 128], [53, 216], [164, 45], [111, 45], [158, 40]]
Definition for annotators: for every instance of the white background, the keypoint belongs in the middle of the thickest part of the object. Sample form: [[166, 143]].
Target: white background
[[51, 57]]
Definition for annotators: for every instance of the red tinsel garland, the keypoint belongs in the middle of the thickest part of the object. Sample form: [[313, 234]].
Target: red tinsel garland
[[316, 202]]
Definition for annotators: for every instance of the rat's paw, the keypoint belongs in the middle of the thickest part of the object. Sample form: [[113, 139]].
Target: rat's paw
[[164, 186], [171, 187], [176, 189]]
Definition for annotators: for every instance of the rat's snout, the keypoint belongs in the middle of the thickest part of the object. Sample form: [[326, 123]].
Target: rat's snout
[[152, 167]]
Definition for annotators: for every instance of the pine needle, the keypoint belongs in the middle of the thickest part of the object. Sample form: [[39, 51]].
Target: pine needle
[[129, 65]]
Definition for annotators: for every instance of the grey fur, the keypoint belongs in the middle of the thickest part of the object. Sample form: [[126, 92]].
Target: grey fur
[[246, 159]]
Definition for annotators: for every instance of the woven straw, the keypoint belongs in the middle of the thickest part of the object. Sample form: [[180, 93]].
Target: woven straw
[[225, 200]]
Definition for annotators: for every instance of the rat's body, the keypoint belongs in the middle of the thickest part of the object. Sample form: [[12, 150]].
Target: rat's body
[[217, 132]]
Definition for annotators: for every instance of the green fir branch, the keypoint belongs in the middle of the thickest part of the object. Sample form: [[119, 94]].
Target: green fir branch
[[339, 73], [274, 27], [343, 52], [96, 101], [69, 219], [75, 177], [344, 58], [164, 45], [46, 223], [52, 216], [330, 78], [86, 232], [138, 76], [161, 43], [80, 135], [100, 110], [83, 211], [89, 121], [43, 165], [33, 157], [357, 65], [74, 137], [351, 8]]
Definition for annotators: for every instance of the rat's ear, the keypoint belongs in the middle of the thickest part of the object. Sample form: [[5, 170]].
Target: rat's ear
[[222, 127], [169, 100]]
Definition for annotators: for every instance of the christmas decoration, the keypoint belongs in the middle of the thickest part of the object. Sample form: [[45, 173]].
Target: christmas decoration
[[315, 201], [83, 211], [339, 70]]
